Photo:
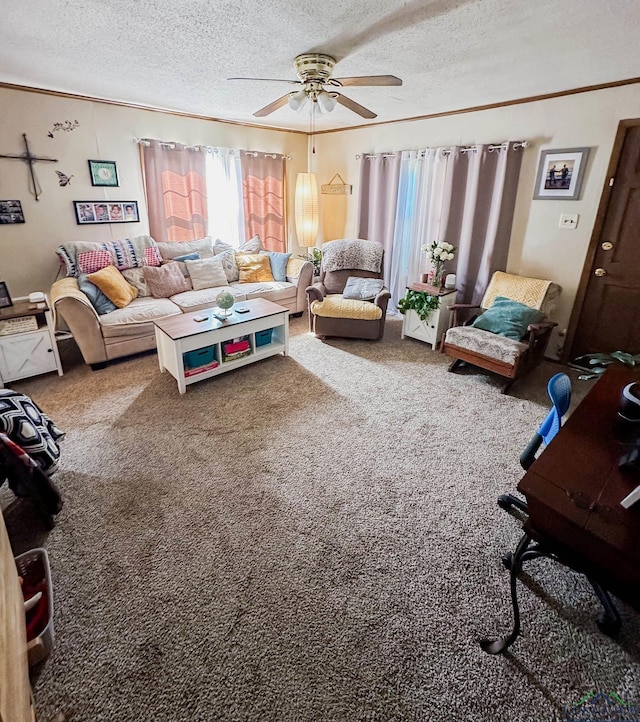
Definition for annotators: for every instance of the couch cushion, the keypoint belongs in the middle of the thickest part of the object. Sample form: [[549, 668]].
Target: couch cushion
[[271, 290], [203, 246], [204, 298], [166, 280], [206, 273], [334, 306], [114, 286], [92, 261], [254, 267], [486, 343], [132, 320]]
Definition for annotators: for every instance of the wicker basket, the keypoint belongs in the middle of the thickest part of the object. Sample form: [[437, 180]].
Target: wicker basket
[[34, 565]]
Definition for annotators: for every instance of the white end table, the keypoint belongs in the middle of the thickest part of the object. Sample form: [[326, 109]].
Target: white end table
[[437, 322]]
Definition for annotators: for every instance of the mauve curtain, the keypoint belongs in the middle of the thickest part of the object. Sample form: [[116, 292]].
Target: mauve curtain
[[263, 194], [379, 174], [483, 195], [175, 185]]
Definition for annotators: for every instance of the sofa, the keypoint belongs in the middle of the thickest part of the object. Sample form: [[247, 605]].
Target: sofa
[[102, 337]]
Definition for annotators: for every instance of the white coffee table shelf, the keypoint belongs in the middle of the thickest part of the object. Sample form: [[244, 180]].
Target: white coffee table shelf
[[178, 335]]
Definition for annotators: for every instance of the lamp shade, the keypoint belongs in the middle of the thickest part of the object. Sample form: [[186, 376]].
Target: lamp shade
[[297, 100], [306, 205]]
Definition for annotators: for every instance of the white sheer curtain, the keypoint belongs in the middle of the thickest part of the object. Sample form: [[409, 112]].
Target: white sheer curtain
[[225, 207], [422, 211]]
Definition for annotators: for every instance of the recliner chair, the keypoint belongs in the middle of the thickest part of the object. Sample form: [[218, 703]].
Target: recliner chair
[[362, 315]]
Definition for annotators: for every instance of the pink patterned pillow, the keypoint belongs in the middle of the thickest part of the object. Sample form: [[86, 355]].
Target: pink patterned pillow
[[152, 256], [166, 280], [92, 261]]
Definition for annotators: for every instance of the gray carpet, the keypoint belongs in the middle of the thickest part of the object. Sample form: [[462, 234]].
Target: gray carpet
[[308, 538]]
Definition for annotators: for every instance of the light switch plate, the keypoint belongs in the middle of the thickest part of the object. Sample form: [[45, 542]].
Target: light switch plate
[[568, 220]]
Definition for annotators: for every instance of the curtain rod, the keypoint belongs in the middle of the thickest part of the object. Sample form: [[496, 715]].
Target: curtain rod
[[206, 148], [466, 149]]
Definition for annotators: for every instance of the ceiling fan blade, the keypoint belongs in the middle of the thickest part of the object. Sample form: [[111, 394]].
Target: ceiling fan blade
[[367, 80], [270, 80], [356, 107], [272, 106]]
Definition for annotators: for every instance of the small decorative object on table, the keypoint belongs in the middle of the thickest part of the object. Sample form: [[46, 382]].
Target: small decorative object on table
[[439, 253], [225, 301]]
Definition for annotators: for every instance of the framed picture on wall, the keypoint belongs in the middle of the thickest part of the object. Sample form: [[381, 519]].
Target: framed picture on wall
[[560, 174], [103, 173], [11, 212], [106, 212]]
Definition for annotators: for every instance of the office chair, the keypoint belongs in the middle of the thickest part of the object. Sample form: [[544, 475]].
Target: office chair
[[559, 390]]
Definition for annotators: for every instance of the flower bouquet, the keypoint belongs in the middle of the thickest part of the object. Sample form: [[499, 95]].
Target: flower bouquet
[[439, 253]]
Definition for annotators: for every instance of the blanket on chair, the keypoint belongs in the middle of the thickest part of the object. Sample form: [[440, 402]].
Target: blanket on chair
[[356, 254]]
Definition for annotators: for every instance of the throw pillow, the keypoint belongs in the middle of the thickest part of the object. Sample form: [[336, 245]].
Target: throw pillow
[[195, 256], [227, 254], [92, 261], [203, 246], [114, 286], [253, 245], [508, 318], [278, 263], [206, 273], [135, 276], [98, 300], [363, 289], [165, 281], [254, 268]]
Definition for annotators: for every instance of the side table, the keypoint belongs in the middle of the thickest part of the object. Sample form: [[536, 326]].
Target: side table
[[30, 352], [437, 322]]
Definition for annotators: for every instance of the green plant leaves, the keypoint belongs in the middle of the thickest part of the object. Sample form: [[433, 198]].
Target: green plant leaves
[[596, 363], [420, 302]]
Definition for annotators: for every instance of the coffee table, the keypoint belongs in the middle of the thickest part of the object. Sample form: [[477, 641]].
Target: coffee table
[[179, 335]]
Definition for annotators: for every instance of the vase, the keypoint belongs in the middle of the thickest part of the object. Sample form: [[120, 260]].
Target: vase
[[438, 276]]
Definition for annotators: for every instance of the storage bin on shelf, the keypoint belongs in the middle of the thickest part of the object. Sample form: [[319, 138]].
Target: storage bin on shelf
[[236, 348], [264, 337], [199, 357], [33, 567]]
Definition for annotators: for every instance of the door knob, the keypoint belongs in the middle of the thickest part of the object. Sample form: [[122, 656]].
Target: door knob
[[600, 272], [607, 246]]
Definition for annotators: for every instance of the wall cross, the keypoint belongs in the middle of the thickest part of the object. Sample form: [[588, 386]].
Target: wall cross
[[30, 159]]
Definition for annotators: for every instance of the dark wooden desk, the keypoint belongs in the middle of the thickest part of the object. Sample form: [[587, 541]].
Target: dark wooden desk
[[573, 493]]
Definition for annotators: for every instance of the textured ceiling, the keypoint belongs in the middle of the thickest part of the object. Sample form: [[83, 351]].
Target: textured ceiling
[[451, 54]]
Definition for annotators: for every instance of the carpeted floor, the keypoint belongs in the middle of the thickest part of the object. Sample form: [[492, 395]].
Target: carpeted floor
[[305, 539]]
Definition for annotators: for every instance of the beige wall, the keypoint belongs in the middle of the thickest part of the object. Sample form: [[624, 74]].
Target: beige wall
[[106, 132], [538, 246]]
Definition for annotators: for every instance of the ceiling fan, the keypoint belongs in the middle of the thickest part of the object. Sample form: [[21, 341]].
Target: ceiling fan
[[314, 71]]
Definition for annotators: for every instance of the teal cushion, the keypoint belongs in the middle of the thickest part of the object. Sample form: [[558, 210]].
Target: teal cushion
[[195, 256], [508, 318], [98, 300], [278, 263]]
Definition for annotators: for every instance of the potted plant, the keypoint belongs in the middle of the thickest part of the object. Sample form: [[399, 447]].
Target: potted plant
[[596, 364], [420, 302]]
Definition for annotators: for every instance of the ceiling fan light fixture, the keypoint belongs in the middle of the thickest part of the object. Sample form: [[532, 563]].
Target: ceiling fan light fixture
[[297, 100], [326, 101]]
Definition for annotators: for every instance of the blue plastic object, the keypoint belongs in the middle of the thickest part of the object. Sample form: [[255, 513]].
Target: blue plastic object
[[559, 390]]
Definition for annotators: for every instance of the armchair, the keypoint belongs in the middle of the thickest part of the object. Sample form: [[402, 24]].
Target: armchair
[[519, 349], [330, 313]]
